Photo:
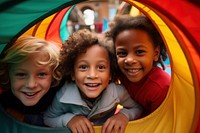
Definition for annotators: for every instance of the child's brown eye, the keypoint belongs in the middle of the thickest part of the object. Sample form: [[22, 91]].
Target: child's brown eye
[[121, 54], [83, 67], [101, 67], [139, 52]]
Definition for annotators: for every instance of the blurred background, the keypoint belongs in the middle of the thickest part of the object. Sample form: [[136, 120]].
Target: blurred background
[[95, 14]]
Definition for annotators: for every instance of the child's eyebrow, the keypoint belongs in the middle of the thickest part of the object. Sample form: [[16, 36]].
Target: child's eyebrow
[[121, 48], [104, 61], [17, 69], [140, 45]]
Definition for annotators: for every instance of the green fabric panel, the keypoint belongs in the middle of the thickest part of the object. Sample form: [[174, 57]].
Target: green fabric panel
[[17, 18], [2, 47], [10, 125], [64, 33]]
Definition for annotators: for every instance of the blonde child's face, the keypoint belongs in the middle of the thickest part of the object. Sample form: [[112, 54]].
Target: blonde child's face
[[135, 53], [92, 71], [30, 81]]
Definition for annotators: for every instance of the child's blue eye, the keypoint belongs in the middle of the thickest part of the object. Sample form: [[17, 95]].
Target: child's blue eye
[[20, 75], [42, 75]]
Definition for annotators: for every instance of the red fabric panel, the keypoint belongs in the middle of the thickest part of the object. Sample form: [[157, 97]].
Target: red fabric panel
[[53, 32]]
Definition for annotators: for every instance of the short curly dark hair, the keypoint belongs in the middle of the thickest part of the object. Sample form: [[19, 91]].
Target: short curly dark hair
[[78, 43], [141, 22]]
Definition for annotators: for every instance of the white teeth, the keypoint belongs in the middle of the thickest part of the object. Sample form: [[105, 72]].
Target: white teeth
[[92, 85], [30, 93], [133, 70]]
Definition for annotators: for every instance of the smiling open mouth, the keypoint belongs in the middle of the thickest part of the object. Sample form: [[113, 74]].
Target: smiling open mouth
[[92, 84], [133, 70], [30, 93]]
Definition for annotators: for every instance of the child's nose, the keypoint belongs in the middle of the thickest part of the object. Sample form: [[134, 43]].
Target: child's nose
[[92, 73], [31, 82], [130, 60]]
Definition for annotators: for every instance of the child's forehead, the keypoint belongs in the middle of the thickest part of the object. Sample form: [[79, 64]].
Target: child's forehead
[[96, 47], [31, 62], [94, 51], [40, 56], [34, 58]]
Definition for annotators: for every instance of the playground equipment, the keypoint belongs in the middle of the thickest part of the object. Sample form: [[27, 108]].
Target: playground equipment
[[177, 21]]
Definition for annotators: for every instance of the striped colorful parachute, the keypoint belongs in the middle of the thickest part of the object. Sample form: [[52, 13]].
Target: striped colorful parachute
[[178, 22]]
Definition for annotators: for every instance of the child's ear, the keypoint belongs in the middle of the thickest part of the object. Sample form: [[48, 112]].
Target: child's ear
[[156, 53]]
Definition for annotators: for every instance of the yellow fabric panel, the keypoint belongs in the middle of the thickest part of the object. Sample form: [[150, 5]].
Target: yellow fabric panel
[[43, 27], [134, 11], [187, 80], [29, 32], [176, 113], [40, 29]]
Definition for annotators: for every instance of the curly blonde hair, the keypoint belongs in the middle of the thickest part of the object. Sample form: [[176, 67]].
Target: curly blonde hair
[[23, 48]]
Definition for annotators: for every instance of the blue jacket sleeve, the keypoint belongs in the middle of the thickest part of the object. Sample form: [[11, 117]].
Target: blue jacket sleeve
[[56, 115]]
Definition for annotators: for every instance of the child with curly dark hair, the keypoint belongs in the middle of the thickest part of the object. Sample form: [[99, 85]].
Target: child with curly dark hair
[[139, 49], [90, 95]]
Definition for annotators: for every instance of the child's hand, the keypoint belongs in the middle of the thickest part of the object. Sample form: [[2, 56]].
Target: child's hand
[[116, 123], [80, 124]]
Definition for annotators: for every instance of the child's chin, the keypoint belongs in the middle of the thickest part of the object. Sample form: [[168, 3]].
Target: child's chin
[[30, 103]]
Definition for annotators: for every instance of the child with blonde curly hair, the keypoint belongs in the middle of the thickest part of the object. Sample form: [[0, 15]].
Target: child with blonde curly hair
[[28, 71]]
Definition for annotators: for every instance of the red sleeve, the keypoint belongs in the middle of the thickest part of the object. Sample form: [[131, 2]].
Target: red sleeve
[[160, 82], [157, 98]]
